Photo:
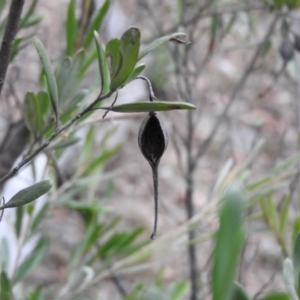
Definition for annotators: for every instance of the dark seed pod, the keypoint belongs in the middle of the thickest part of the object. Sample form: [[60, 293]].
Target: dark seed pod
[[153, 138], [153, 141], [286, 50]]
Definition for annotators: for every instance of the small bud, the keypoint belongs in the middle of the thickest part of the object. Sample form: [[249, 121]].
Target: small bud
[[153, 141], [153, 138], [286, 50]]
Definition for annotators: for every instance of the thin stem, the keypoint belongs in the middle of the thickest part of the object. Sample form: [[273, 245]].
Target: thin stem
[[47, 142], [112, 105], [11, 29], [3, 204], [151, 93], [155, 186]]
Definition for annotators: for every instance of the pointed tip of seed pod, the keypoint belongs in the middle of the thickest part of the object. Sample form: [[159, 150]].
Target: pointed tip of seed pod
[[153, 236]]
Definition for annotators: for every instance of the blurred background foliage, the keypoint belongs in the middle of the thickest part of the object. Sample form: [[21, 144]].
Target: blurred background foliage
[[229, 181]]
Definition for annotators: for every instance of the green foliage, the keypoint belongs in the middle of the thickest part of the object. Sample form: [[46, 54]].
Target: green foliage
[[229, 241], [96, 23], [28, 194], [103, 67], [71, 28], [150, 106], [129, 51], [5, 287], [51, 81]]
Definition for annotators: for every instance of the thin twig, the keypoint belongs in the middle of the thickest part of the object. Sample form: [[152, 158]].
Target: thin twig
[[151, 93], [203, 13], [47, 142], [2, 212], [11, 29], [112, 105], [203, 148]]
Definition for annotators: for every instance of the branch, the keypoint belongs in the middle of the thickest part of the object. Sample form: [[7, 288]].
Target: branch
[[204, 13], [203, 148], [11, 29], [47, 142]]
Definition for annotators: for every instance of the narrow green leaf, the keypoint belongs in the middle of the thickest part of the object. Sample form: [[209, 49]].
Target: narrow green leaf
[[136, 72], [238, 292], [5, 287], [289, 280], [67, 78], [71, 28], [35, 257], [91, 236], [276, 296], [66, 143], [52, 85], [284, 215], [103, 67], [96, 23], [109, 244], [15, 48], [44, 105], [296, 229], [113, 56], [32, 21], [129, 50], [62, 76], [32, 113], [179, 289], [296, 257], [216, 23], [28, 14], [97, 162], [4, 254], [37, 294], [28, 194], [19, 218], [39, 216], [77, 99], [272, 212], [148, 106], [229, 240], [227, 29], [92, 55], [159, 42]]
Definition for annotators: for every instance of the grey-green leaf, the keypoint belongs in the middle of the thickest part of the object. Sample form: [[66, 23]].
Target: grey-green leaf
[[28, 194], [32, 113], [51, 81], [129, 50], [103, 67], [159, 42], [113, 56], [147, 106]]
